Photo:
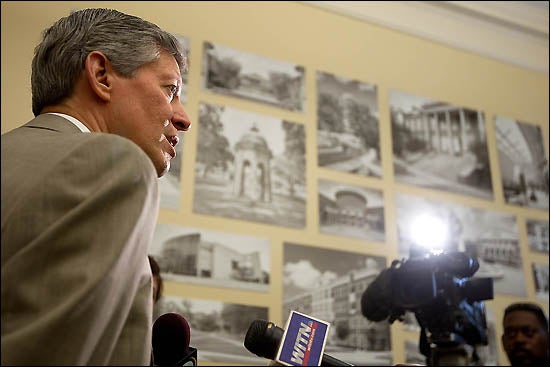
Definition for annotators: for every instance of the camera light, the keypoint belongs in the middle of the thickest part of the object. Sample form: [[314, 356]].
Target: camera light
[[430, 232]]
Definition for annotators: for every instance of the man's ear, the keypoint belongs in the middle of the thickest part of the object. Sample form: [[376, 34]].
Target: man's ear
[[98, 71]]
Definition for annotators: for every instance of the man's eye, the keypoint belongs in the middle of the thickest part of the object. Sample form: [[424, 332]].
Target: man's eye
[[173, 90]]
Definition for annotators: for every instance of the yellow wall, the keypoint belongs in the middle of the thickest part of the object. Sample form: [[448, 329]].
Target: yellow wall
[[319, 41]]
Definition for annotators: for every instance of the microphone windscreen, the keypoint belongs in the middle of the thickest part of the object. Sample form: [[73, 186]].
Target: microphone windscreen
[[263, 338], [376, 301], [171, 334]]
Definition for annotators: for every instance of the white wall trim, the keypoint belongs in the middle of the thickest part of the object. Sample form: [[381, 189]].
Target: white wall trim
[[509, 31]]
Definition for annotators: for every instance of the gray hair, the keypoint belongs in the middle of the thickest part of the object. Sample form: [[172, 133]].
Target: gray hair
[[129, 42]]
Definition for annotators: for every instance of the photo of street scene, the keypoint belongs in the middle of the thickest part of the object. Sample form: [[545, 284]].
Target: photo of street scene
[[537, 235], [523, 163], [211, 258], [217, 328], [351, 211], [348, 133], [254, 77], [250, 167], [439, 146], [489, 236], [328, 285]]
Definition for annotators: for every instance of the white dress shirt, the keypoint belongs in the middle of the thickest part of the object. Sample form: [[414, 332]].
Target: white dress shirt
[[74, 121]]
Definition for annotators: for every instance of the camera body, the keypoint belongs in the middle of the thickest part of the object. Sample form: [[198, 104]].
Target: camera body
[[447, 303]]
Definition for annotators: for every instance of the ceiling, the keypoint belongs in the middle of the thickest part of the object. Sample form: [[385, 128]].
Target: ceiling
[[509, 31]]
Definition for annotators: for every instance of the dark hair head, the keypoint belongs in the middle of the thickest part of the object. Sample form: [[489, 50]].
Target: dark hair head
[[129, 42], [531, 307]]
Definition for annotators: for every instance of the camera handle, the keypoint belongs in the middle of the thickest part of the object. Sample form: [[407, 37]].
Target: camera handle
[[450, 355], [446, 349]]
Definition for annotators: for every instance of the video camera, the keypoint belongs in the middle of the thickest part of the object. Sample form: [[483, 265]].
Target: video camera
[[438, 290]]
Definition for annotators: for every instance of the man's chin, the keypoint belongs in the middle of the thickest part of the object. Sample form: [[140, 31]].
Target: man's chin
[[161, 172], [162, 167], [523, 360]]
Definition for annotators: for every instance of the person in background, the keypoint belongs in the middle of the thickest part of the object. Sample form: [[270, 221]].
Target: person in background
[[525, 338], [80, 193], [157, 279]]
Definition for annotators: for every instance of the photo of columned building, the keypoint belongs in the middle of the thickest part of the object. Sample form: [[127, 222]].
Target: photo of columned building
[[439, 145]]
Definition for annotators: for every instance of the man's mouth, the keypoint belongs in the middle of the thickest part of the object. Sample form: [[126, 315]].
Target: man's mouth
[[521, 353], [173, 140], [171, 153], [169, 147]]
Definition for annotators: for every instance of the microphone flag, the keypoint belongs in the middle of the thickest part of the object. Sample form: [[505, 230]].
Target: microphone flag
[[303, 342]]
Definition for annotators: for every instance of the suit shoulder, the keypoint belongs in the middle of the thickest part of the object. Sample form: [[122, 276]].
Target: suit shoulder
[[114, 149]]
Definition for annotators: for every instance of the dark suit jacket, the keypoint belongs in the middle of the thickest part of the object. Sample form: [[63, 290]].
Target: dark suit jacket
[[78, 214]]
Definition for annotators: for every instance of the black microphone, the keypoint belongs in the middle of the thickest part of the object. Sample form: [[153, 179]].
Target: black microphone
[[171, 334], [263, 339], [376, 302]]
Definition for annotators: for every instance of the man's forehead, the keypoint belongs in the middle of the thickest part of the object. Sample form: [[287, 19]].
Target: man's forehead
[[523, 316]]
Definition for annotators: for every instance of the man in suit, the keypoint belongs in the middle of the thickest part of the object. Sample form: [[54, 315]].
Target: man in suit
[[80, 191]]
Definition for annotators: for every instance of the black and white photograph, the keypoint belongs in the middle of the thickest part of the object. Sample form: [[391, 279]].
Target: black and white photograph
[[218, 329], [246, 75], [439, 146], [328, 285], [250, 167], [428, 226], [537, 235], [351, 211], [211, 258], [348, 133], [184, 43], [523, 163], [540, 276], [169, 184]]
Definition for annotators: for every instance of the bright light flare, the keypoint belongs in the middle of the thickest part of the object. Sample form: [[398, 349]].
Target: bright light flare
[[430, 232]]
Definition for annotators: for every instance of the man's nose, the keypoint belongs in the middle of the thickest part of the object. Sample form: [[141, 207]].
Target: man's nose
[[180, 119], [520, 338]]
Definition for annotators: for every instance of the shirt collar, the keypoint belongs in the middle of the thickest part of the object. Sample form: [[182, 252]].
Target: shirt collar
[[74, 121]]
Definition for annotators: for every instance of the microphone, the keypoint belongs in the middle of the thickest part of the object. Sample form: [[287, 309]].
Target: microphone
[[376, 302], [171, 334], [263, 339]]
